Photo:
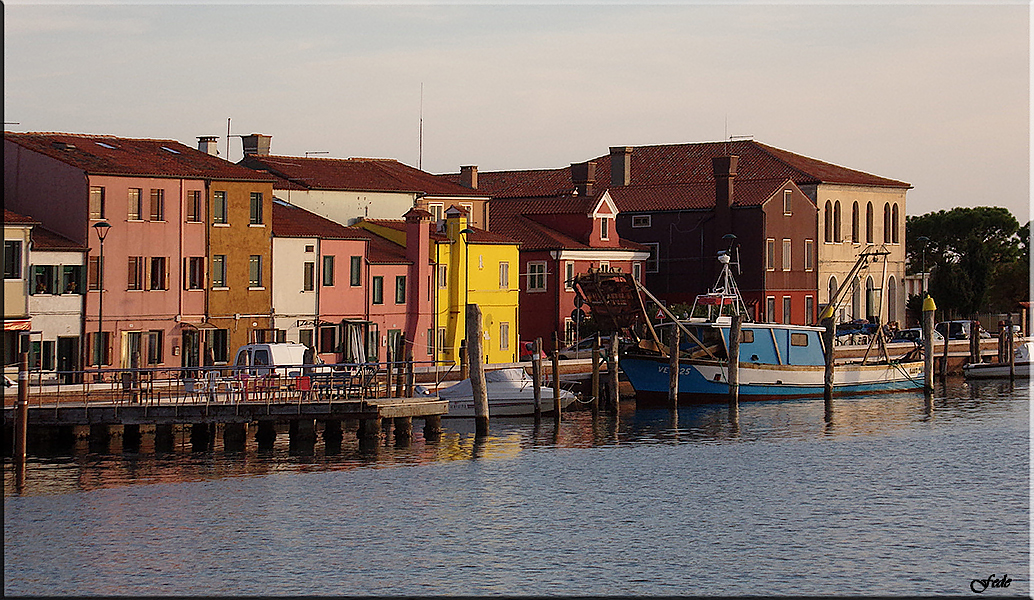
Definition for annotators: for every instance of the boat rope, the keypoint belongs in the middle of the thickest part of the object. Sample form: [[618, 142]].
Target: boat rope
[[916, 382]]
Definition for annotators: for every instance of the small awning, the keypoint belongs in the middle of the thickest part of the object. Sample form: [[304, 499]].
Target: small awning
[[198, 325], [17, 324]]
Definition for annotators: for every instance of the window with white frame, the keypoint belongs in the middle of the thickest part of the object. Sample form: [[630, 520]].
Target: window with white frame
[[569, 276], [219, 270], [12, 259], [809, 255], [536, 276], [787, 194], [786, 309], [604, 228], [135, 204], [443, 276], [770, 309], [786, 255], [642, 221], [770, 254], [436, 210], [504, 275], [504, 336], [653, 262], [255, 271], [637, 271]]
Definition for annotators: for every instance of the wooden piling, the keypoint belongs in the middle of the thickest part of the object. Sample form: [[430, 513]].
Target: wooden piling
[[100, 438], [266, 434], [595, 377], [614, 401], [1010, 349], [974, 341], [164, 438], [929, 308], [734, 366], [199, 434], [131, 437], [235, 437], [410, 376], [464, 368], [556, 378], [673, 369], [536, 375], [828, 340], [477, 369], [944, 358], [21, 427], [432, 428], [332, 435], [403, 430]]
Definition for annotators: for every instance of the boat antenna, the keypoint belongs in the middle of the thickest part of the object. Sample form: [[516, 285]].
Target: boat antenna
[[731, 239]]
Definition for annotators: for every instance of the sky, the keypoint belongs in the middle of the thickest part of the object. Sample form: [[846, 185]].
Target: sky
[[936, 95]]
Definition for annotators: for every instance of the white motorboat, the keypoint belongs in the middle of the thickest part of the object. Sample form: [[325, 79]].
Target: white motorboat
[[511, 393], [997, 369]]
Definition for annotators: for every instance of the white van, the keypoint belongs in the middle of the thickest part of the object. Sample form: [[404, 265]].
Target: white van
[[287, 357]]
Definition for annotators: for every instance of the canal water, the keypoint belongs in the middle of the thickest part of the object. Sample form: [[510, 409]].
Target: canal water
[[894, 496]]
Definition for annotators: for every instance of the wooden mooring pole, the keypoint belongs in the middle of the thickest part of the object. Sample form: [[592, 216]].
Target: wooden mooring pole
[[673, 369], [828, 339], [477, 370], [929, 308], [734, 368], [1010, 349], [595, 378], [556, 378], [614, 400], [21, 423], [536, 375]]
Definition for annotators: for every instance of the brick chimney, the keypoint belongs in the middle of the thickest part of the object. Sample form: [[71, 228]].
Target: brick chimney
[[583, 175], [724, 168], [256, 144], [418, 280], [469, 176], [207, 144], [620, 165]]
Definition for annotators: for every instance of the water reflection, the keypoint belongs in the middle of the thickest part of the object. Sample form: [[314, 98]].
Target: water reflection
[[87, 470]]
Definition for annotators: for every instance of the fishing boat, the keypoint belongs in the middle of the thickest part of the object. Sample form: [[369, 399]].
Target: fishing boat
[[511, 393], [776, 361], [1001, 369]]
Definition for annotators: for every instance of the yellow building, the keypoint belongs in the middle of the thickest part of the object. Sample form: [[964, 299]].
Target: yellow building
[[469, 265]]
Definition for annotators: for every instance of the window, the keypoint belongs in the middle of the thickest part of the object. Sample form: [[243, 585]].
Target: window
[[219, 270], [770, 309], [328, 271], [868, 223], [159, 273], [157, 205], [504, 336], [378, 290], [828, 233], [355, 271], [809, 255], [12, 259], [41, 356], [469, 207], [641, 221], [832, 290], [327, 339], [604, 265], [255, 271], [653, 263], [136, 201], [400, 289], [536, 276], [308, 276], [809, 309], [305, 337], [855, 237], [100, 348], [504, 275], [96, 202], [441, 338], [604, 228], [218, 342], [894, 239], [837, 237], [94, 273], [256, 208], [443, 276], [798, 339], [219, 208], [71, 279], [135, 279], [436, 210], [44, 280], [372, 349], [569, 276], [770, 254], [886, 223], [310, 248], [747, 336], [155, 347], [786, 255], [637, 271], [786, 309], [787, 194], [195, 273], [194, 206]]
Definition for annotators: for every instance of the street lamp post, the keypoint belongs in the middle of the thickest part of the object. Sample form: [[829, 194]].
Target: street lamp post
[[466, 275], [925, 240], [102, 228]]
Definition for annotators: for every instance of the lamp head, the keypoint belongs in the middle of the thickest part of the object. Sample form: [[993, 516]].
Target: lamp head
[[102, 228]]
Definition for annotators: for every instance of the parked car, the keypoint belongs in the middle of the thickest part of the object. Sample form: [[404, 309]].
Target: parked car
[[527, 351], [287, 357], [915, 335], [959, 330], [858, 326]]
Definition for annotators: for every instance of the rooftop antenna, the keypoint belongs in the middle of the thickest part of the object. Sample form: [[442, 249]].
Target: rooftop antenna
[[227, 138], [726, 134], [420, 135]]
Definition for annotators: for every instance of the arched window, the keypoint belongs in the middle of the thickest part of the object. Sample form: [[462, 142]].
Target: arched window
[[855, 237], [892, 300], [832, 289], [886, 223], [829, 221], [872, 307], [836, 223], [868, 223], [894, 225]]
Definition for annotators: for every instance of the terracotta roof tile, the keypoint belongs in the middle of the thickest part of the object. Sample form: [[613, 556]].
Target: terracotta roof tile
[[110, 155], [293, 221], [13, 218], [515, 217], [45, 239], [480, 236], [373, 174]]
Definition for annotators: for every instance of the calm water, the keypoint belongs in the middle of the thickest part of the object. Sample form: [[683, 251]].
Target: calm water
[[894, 497]]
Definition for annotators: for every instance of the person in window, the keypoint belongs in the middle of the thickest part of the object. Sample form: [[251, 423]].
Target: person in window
[[41, 284], [71, 287]]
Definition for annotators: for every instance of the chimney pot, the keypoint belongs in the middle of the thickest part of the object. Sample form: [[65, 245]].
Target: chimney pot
[[256, 144], [583, 176], [469, 176], [208, 144]]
